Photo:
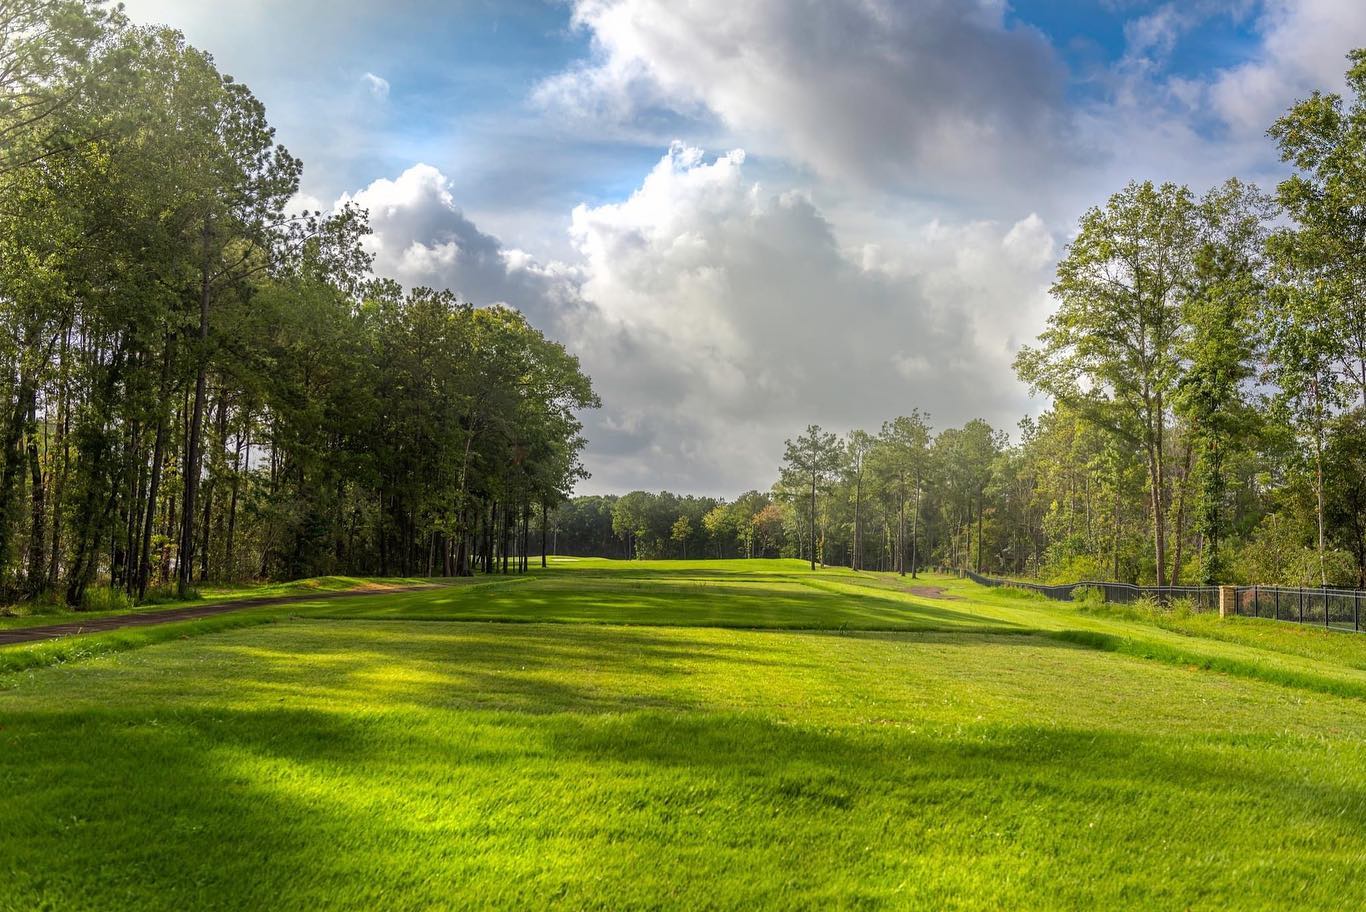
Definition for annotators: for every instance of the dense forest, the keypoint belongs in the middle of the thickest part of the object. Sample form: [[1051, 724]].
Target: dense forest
[[1206, 373], [199, 382]]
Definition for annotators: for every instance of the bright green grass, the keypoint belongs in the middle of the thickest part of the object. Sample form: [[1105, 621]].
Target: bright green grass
[[777, 594], [381, 762]]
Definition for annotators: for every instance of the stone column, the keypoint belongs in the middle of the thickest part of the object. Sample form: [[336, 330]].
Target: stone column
[[1228, 601]]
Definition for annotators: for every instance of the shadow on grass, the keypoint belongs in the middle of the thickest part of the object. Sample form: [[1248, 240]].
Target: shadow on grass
[[655, 602], [293, 809]]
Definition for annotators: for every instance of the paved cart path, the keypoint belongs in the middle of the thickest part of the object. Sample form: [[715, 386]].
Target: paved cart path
[[189, 612]]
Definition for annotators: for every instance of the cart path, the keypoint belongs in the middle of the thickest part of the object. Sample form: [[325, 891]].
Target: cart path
[[187, 613]]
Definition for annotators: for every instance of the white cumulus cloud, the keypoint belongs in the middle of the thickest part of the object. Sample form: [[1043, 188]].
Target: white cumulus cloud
[[717, 317], [912, 93]]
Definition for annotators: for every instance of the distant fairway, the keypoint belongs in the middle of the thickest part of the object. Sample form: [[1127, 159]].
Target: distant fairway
[[734, 734]]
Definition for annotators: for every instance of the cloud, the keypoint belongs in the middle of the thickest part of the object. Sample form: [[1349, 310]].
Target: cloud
[[728, 317], [378, 85], [717, 318], [420, 237], [914, 94], [1304, 47]]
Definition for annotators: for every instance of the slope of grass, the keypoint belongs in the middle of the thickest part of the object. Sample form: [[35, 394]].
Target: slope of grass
[[956, 753], [776, 594], [787, 595]]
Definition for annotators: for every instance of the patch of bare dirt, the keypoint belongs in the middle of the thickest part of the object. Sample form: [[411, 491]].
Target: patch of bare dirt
[[933, 592]]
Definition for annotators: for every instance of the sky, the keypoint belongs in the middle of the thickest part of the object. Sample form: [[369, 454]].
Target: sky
[[746, 216]]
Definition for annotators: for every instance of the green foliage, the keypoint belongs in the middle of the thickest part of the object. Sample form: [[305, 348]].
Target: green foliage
[[809, 465], [1280, 553], [1088, 597], [199, 385], [101, 598], [161, 595], [1078, 567]]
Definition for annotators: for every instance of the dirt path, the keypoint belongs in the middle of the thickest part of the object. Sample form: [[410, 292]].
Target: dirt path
[[187, 613], [934, 592]]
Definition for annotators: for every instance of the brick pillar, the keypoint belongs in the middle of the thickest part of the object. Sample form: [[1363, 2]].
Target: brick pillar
[[1228, 601]]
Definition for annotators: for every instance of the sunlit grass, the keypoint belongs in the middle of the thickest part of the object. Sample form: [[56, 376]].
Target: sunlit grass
[[663, 756]]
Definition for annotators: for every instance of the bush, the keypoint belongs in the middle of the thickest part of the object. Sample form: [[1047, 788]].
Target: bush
[[104, 598], [158, 595], [1182, 607], [1280, 553], [1019, 592], [1078, 567], [1088, 596]]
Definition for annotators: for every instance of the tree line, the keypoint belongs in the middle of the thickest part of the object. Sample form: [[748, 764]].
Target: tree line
[[200, 382], [1205, 369]]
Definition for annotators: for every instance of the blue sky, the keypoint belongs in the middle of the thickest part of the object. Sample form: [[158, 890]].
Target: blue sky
[[747, 216]]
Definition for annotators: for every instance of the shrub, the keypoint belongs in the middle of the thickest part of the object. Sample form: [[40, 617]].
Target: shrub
[[158, 595], [1280, 553], [1019, 592], [105, 598], [1088, 596]]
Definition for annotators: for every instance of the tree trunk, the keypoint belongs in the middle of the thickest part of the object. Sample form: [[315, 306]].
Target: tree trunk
[[37, 563], [980, 494], [9, 475], [901, 531], [1158, 517], [915, 530], [192, 450], [239, 462], [856, 559], [1318, 492], [1114, 545], [813, 521], [1179, 528]]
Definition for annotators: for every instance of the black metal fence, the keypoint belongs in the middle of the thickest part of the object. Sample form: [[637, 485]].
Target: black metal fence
[[1335, 609], [1338, 609]]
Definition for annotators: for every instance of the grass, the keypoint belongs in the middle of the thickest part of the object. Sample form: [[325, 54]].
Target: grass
[[30, 614], [721, 735]]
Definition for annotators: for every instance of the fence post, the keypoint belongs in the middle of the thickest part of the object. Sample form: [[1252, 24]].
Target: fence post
[[1301, 592], [1356, 611], [1228, 601]]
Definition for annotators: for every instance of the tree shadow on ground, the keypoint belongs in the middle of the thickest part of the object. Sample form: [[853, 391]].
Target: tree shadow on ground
[[299, 809]]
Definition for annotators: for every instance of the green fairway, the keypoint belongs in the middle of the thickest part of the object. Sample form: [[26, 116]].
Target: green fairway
[[654, 748], [778, 594]]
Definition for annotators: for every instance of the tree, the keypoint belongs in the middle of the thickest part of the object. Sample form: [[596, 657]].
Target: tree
[[1225, 299], [900, 456], [1326, 199], [1112, 349], [1301, 337], [856, 448], [236, 183], [56, 56], [1345, 497], [808, 463], [682, 528]]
